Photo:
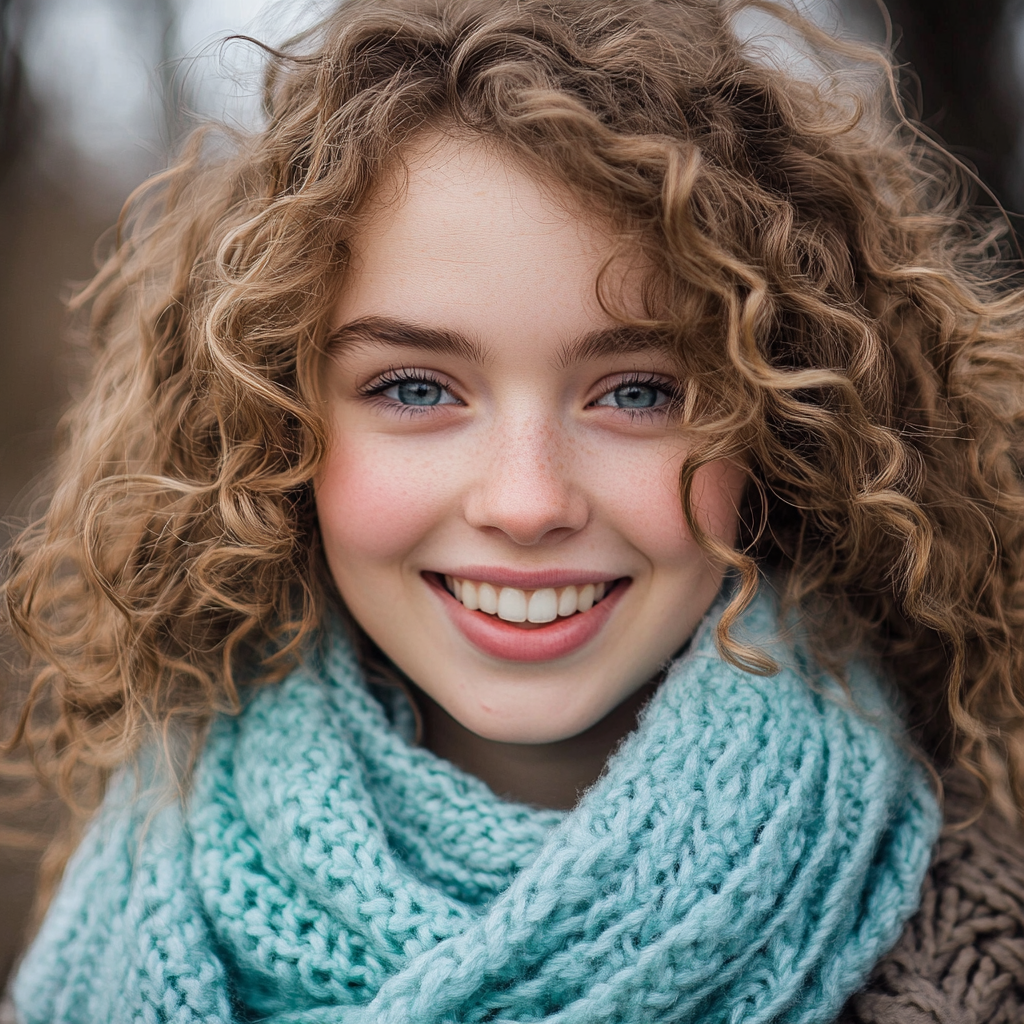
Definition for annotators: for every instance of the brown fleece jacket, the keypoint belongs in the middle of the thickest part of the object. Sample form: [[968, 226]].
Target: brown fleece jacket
[[960, 960]]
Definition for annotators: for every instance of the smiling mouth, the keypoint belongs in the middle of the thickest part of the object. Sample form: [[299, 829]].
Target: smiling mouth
[[526, 607]]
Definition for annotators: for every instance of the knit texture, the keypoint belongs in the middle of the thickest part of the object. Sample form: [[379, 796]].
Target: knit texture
[[750, 852], [960, 959]]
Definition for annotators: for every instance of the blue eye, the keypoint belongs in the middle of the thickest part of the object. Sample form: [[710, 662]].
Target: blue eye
[[416, 391], [635, 395]]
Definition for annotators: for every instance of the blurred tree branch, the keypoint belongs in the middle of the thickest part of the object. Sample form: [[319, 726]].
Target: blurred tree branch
[[16, 107]]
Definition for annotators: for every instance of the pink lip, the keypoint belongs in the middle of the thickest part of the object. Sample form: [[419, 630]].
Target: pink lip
[[527, 580], [504, 640]]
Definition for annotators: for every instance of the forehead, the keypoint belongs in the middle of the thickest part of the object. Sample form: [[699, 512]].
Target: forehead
[[464, 239]]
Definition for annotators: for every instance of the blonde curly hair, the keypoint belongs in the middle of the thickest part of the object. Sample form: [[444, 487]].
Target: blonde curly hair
[[846, 324]]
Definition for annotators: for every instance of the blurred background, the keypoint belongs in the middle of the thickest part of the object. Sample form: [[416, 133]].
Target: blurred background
[[94, 95]]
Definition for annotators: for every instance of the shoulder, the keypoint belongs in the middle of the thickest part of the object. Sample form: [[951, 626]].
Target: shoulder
[[961, 957]]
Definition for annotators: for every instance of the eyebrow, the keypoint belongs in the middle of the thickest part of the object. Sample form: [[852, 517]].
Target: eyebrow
[[623, 339], [386, 330]]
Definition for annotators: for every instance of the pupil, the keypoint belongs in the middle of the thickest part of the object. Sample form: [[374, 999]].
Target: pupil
[[419, 392], [636, 396]]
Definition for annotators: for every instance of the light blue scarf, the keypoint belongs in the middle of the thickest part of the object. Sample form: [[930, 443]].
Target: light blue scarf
[[750, 852]]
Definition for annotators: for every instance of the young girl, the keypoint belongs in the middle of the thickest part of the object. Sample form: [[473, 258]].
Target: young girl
[[546, 509]]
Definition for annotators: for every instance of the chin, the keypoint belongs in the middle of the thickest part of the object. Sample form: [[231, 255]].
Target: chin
[[546, 720]]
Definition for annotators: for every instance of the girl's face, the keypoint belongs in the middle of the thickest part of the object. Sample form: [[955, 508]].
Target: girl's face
[[496, 439]]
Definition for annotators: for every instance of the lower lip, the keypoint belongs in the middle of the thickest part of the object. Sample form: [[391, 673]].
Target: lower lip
[[505, 640]]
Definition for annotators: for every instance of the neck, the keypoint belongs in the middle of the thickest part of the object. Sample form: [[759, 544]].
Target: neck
[[551, 775]]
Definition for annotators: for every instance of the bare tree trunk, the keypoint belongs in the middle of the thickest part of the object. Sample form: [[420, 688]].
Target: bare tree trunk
[[15, 119], [961, 52]]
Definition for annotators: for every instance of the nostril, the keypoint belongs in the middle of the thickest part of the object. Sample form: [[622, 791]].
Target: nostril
[[527, 507]]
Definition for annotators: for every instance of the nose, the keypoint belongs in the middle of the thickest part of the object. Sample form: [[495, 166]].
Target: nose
[[526, 488]]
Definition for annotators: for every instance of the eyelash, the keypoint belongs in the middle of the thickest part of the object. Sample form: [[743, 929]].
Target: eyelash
[[402, 375], [668, 388]]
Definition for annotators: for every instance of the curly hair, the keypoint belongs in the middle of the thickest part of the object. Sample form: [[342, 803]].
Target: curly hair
[[845, 322]]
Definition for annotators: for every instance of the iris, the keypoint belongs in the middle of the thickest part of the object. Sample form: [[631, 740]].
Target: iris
[[636, 396], [419, 392]]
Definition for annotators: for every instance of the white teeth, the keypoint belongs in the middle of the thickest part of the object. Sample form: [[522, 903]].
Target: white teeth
[[515, 605], [543, 606], [488, 598], [511, 604]]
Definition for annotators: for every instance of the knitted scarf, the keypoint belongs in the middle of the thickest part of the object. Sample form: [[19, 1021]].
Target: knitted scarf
[[749, 853]]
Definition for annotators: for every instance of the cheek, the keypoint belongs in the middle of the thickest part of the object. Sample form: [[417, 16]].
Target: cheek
[[644, 500], [717, 493], [374, 505]]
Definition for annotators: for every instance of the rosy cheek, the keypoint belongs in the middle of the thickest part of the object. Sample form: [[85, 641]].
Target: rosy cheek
[[717, 494], [373, 504], [650, 512]]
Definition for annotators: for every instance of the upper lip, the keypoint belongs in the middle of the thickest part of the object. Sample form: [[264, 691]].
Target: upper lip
[[529, 579]]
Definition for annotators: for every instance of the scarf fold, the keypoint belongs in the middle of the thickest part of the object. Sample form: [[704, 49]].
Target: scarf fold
[[751, 850]]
